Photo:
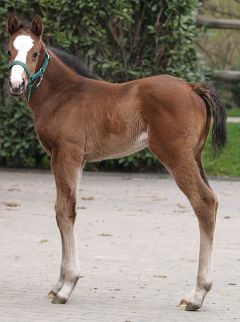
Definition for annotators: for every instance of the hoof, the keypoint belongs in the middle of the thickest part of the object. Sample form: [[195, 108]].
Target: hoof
[[59, 300], [182, 305], [188, 306], [51, 294], [192, 307]]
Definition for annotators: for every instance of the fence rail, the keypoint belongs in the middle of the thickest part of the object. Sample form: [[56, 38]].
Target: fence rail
[[218, 23], [226, 75], [234, 24]]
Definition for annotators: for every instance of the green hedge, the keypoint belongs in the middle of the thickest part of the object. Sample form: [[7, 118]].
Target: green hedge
[[118, 40]]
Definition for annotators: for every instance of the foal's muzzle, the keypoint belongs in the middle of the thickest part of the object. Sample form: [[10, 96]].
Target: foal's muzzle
[[17, 91]]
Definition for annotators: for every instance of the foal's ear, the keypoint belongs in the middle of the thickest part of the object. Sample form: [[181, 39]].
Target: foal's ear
[[37, 26], [13, 23]]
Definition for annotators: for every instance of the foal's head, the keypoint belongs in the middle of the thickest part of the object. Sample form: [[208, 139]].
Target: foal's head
[[25, 46]]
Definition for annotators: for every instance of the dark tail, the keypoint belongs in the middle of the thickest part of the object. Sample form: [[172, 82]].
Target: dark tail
[[213, 102]]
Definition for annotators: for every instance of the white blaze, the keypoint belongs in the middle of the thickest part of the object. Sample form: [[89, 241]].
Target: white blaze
[[22, 44]]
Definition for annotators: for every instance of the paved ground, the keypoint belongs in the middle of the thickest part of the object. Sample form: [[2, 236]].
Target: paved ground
[[137, 242]]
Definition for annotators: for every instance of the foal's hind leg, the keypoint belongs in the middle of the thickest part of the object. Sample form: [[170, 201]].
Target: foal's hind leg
[[205, 204], [66, 174], [186, 172]]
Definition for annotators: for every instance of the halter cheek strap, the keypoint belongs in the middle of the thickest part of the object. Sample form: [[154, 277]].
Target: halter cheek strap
[[34, 79]]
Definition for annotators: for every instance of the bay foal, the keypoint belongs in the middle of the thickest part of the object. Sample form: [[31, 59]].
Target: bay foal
[[78, 119]]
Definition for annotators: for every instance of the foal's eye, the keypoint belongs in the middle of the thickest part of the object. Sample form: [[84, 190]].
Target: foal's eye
[[35, 54], [9, 53]]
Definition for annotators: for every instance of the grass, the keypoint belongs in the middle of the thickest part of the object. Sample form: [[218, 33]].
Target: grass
[[234, 112], [228, 164]]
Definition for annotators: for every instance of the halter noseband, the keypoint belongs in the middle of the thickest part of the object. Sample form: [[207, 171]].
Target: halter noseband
[[34, 79]]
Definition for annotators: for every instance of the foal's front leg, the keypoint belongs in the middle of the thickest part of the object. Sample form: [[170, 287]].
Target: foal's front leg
[[66, 175]]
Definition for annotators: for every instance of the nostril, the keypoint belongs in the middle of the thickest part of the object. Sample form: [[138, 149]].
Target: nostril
[[21, 86]]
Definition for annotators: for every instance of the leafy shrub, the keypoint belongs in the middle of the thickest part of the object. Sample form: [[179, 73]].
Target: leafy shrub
[[119, 40], [19, 146]]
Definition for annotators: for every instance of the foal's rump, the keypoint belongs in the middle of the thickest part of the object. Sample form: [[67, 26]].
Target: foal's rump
[[178, 114]]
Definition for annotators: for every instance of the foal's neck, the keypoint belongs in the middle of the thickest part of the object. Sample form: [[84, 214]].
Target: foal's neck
[[56, 80]]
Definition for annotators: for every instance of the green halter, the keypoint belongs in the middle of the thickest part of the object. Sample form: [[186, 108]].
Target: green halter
[[35, 79]]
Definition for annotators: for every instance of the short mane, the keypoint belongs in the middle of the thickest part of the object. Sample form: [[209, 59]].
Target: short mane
[[72, 62]]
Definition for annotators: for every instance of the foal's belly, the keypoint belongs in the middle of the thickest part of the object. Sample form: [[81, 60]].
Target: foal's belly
[[114, 149], [138, 145]]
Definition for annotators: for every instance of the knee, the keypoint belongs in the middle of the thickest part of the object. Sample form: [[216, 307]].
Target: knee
[[65, 212]]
